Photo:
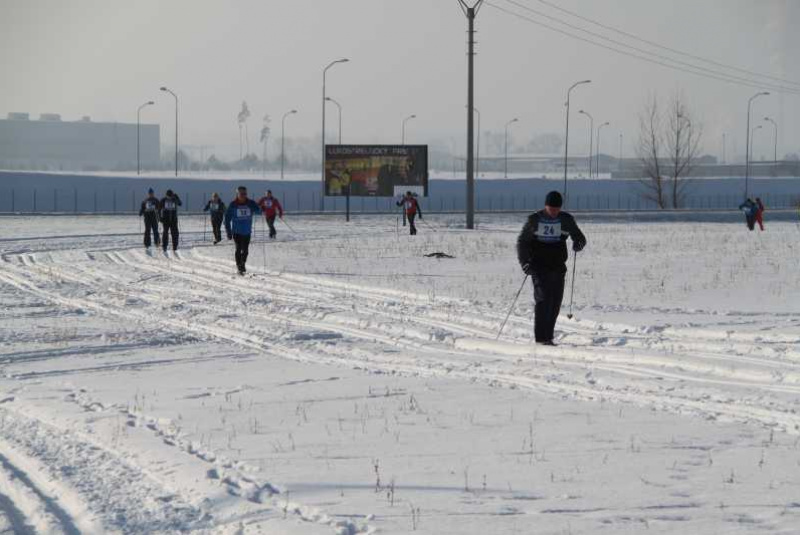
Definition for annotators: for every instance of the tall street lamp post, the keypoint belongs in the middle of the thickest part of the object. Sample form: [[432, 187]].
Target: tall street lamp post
[[505, 165], [138, 137], [283, 136]]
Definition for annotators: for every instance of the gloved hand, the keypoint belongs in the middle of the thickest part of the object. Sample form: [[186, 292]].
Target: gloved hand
[[578, 246], [527, 268]]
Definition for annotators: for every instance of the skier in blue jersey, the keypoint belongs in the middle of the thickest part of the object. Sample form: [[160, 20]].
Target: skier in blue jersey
[[239, 225], [542, 253]]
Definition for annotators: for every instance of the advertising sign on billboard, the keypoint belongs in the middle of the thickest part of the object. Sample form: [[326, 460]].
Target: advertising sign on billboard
[[375, 170]]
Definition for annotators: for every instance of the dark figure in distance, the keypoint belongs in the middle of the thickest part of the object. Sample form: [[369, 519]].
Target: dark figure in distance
[[217, 210], [169, 219], [542, 253], [411, 208], [150, 210], [271, 207], [749, 208], [760, 213]]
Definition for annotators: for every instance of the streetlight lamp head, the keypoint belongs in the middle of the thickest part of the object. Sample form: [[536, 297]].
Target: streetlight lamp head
[[586, 82], [293, 111], [150, 102], [163, 88], [413, 117], [765, 93]]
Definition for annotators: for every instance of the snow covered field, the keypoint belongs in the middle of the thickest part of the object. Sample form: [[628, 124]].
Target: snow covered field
[[352, 385]]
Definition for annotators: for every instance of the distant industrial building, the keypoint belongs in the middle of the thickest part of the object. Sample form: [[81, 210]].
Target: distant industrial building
[[52, 144]]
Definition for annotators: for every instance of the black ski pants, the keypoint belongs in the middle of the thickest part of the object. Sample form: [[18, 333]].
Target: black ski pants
[[271, 223], [216, 226], [151, 227], [170, 229], [548, 292], [412, 228], [242, 242]]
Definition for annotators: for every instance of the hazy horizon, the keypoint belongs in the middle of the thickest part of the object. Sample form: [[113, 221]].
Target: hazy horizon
[[105, 58]]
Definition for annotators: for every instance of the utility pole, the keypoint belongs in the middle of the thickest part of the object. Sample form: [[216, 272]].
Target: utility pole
[[724, 145], [339, 106], [403, 130], [566, 136], [470, 12], [505, 165], [747, 143], [591, 136], [283, 136], [775, 156], [597, 153], [176, 126], [324, 99], [138, 137]]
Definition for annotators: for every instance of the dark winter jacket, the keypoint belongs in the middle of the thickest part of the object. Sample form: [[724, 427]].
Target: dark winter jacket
[[150, 208], [217, 208], [169, 208], [749, 208], [543, 241], [239, 217]]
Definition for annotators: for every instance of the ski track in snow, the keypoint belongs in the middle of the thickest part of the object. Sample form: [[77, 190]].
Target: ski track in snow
[[454, 338], [716, 373]]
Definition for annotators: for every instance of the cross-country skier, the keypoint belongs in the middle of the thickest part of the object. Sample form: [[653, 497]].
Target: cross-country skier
[[169, 219], [271, 207], [411, 208], [217, 210], [239, 225], [150, 210], [749, 208], [542, 253], [760, 213]]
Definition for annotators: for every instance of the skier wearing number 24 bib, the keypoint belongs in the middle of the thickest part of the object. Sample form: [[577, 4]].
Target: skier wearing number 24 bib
[[239, 225], [542, 253]]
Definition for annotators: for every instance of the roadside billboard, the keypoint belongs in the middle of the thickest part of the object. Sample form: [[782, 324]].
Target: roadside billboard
[[375, 170]]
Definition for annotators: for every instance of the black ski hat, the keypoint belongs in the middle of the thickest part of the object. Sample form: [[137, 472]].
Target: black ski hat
[[553, 199], [169, 193]]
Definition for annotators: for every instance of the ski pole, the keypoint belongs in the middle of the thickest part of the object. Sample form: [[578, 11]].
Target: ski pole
[[264, 244], [288, 225], [428, 224], [513, 304], [572, 291]]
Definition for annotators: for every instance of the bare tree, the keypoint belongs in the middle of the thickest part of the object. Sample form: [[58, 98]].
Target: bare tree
[[265, 131], [241, 118], [683, 145], [649, 152]]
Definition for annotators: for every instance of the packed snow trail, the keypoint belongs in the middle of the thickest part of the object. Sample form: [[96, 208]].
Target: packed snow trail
[[295, 316]]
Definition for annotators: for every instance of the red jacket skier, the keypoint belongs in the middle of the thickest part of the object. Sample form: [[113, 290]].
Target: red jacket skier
[[271, 207], [760, 213], [411, 208]]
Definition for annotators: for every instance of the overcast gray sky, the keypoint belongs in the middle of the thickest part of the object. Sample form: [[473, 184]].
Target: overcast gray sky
[[104, 57]]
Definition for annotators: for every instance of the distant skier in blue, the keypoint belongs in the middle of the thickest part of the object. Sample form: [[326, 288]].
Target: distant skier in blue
[[750, 210], [239, 225]]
